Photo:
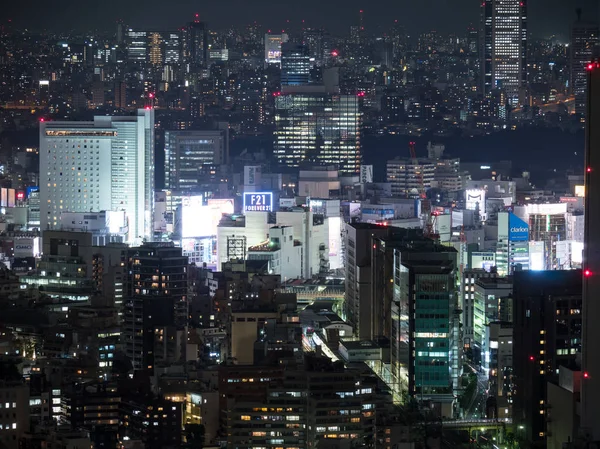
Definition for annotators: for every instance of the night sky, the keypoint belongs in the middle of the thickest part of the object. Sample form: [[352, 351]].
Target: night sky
[[546, 17]]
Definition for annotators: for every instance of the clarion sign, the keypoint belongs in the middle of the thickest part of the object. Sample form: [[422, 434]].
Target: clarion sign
[[518, 230]]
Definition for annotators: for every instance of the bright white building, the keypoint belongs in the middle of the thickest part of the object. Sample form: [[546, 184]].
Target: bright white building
[[102, 165], [237, 233], [313, 232], [282, 252]]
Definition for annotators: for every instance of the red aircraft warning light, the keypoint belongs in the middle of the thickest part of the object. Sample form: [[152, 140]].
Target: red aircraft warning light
[[586, 375], [587, 273]]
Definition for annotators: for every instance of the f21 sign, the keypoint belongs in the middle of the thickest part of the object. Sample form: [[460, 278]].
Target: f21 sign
[[258, 202]]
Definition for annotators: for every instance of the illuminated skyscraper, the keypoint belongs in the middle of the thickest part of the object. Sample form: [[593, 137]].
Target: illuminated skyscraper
[[295, 64], [195, 44], [584, 37], [137, 42], [318, 127], [155, 48], [273, 44], [105, 164], [504, 58]]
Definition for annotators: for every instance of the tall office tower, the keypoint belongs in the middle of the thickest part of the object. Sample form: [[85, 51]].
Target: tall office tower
[[273, 44], [98, 93], [295, 64], [547, 334], [155, 54], [172, 47], [319, 128], [120, 94], [195, 44], [155, 304], [102, 165], [137, 44], [584, 37], [424, 320], [358, 244], [187, 151], [590, 363], [120, 35], [504, 58]]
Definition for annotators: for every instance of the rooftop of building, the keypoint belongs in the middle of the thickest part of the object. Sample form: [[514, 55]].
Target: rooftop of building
[[495, 282], [315, 282], [267, 246], [232, 221], [359, 344]]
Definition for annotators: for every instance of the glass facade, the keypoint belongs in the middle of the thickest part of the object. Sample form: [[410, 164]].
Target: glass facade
[[295, 64], [188, 152], [433, 294], [320, 128]]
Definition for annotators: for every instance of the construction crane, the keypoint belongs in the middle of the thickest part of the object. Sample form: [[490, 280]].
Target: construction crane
[[428, 217]]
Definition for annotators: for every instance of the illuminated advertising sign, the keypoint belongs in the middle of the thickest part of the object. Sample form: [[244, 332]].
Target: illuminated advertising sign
[[29, 190], [366, 174], [218, 207], [537, 256], [23, 247], [194, 222], [518, 230], [258, 202], [474, 199]]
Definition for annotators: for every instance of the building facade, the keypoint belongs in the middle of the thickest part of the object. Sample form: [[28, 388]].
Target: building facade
[[155, 304], [187, 151], [295, 64], [103, 165], [504, 58], [317, 127], [584, 37]]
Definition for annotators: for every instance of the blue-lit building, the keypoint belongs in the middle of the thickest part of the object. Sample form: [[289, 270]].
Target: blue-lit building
[[295, 64]]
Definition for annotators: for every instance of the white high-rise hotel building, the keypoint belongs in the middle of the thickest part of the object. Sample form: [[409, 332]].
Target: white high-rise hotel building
[[105, 164]]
